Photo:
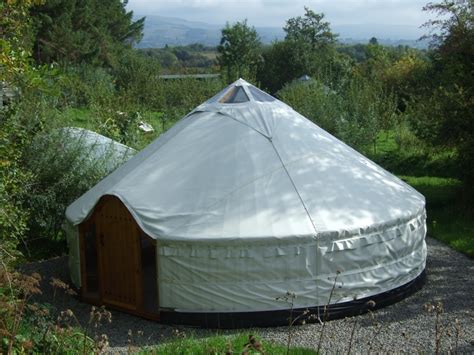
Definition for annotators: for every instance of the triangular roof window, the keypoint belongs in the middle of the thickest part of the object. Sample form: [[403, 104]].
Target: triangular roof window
[[259, 95], [234, 96]]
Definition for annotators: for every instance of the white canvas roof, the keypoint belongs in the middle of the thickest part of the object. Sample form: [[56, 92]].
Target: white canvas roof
[[245, 166], [96, 146]]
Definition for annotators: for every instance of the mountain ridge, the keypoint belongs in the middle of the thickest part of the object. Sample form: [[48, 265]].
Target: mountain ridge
[[173, 31]]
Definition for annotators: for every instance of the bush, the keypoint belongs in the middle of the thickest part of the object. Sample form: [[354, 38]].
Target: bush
[[137, 79], [84, 85], [367, 110], [64, 167], [180, 96], [19, 122], [315, 101], [355, 114]]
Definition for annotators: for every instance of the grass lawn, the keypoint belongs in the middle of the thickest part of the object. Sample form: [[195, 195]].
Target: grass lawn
[[449, 220], [221, 344], [450, 216]]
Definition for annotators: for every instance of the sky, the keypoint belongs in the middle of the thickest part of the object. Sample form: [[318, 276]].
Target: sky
[[274, 13]]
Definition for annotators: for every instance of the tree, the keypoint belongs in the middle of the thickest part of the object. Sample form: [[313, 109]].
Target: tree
[[446, 115], [92, 31], [282, 63], [373, 41], [15, 69], [308, 48], [310, 29], [239, 51]]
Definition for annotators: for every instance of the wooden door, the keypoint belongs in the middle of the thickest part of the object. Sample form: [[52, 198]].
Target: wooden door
[[119, 255]]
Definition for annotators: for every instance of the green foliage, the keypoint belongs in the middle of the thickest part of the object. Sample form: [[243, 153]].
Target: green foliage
[[178, 97], [184, 59], [449, 220], [85, 85], [286, 61], [358, 52], [166, 57], [308, 48], [64, 167], [366, 110], [77, 31], [29, 327], [18, 122], [315, 101], [16, 38], [281, 64], [356, 113], [442, 114], [373, 41], [137, 79], [401, 152], [311, 30], [239, 51]]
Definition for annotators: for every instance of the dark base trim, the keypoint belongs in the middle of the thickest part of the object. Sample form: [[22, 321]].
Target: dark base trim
[[279, 318]]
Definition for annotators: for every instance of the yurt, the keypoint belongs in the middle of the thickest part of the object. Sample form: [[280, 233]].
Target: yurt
[[243, 211]]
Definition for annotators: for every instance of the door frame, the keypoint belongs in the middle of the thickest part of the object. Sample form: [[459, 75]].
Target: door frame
[[98, 299]]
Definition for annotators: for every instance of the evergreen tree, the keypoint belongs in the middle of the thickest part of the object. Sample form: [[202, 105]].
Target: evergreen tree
[[91, 31]]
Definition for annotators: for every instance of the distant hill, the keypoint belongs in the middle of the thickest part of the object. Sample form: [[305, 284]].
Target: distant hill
[[160, 31]]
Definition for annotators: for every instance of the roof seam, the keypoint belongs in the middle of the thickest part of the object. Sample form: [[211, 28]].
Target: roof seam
[[294, 186], [242, 123]]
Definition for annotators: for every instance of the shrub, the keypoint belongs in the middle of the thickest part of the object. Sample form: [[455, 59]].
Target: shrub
[[64, 167], [137, 79], [356, 113], [367, 110], [180, 96], [315, 101], [83, 85]]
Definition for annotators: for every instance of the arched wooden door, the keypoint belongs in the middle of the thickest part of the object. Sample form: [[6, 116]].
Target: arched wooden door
[[119, 254], [118, 260]]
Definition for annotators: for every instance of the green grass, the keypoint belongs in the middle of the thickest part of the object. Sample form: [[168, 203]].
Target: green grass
[[433, 173], [450, 219], [413, 157], [221, 344]]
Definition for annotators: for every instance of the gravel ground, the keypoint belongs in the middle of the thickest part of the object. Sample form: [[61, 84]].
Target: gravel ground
[[403, 327]]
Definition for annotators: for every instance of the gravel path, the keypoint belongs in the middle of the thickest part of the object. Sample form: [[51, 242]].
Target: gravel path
[[402, 327]]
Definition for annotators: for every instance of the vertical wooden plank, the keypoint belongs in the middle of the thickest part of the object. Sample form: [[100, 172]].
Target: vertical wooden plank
[[82, 255], [157, 279], [98, 220], [139, 271]]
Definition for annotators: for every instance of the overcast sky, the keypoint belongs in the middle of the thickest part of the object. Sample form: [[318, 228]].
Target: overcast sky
[[275, 12]]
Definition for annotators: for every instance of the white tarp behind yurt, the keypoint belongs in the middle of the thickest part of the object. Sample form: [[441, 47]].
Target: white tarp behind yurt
[[96, 146], [247, 200]]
